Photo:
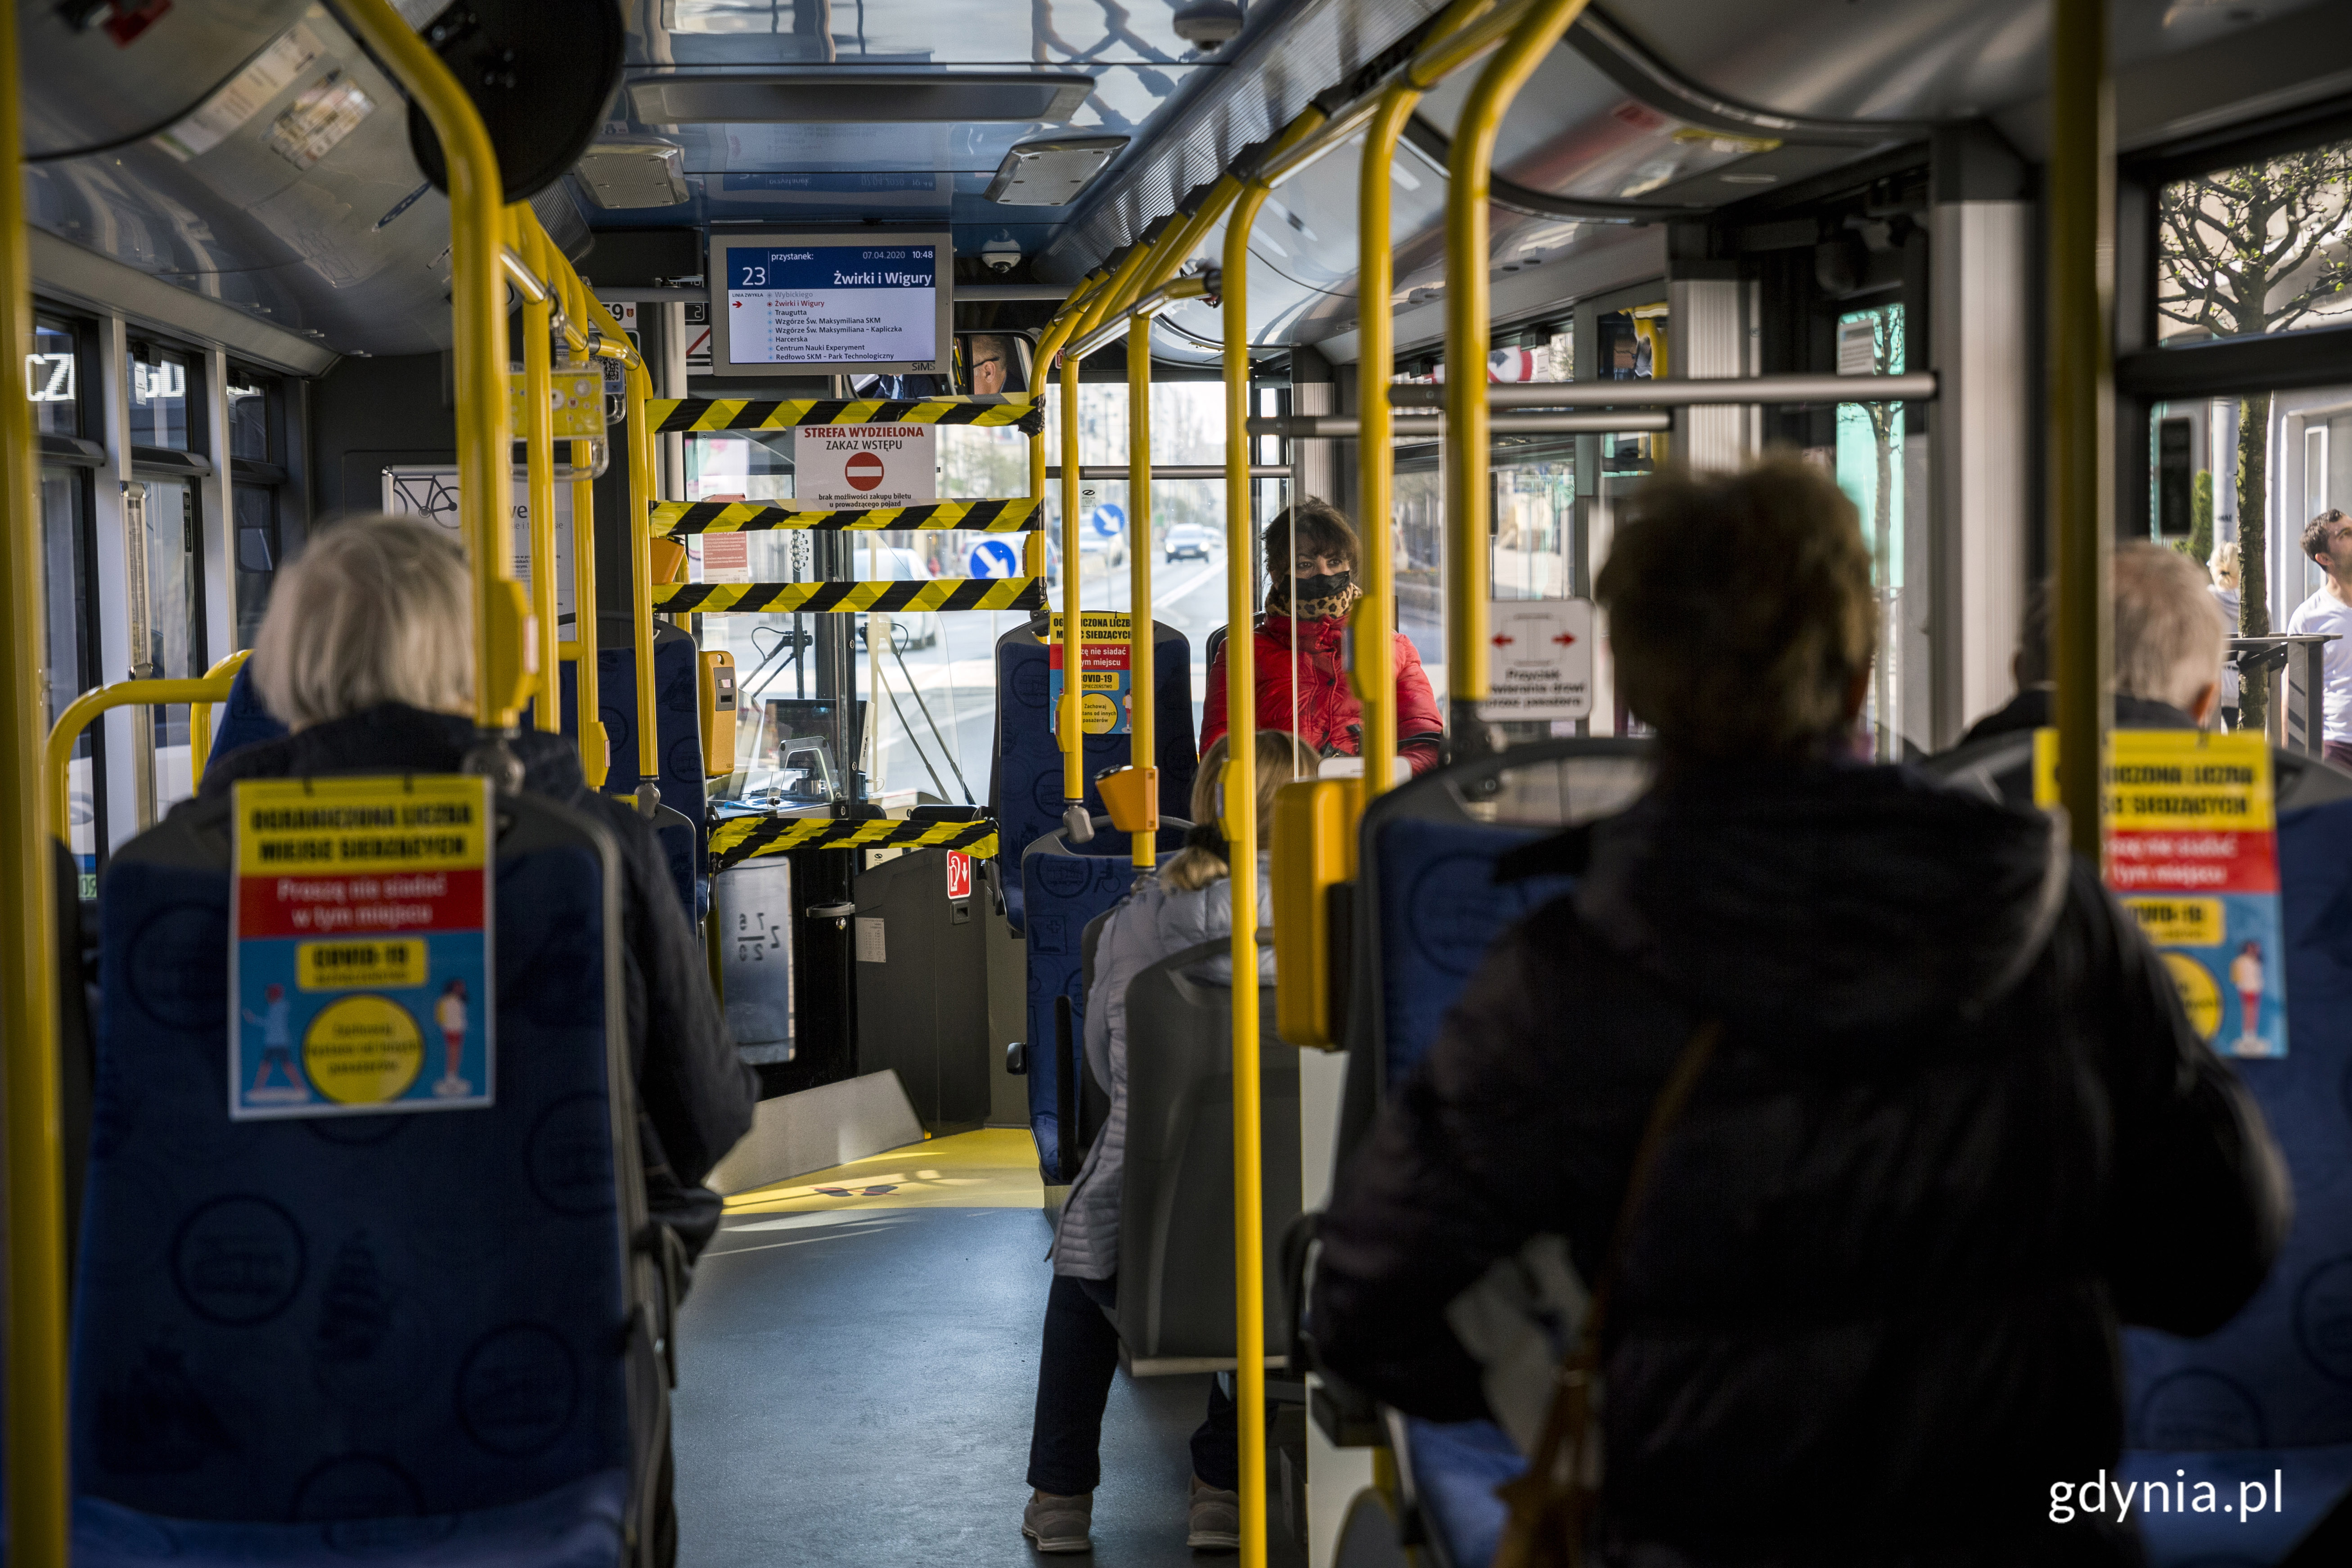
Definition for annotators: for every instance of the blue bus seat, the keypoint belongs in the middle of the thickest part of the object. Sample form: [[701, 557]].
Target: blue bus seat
[[1025, 785], [1428, 908], [1066, 887], [428, 1335], [243, 719], [677, 713], [2272, 1389]]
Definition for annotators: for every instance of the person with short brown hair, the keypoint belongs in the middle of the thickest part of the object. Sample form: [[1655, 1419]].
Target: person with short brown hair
[[1312, 558], [2328, 540], [1946, 1123]]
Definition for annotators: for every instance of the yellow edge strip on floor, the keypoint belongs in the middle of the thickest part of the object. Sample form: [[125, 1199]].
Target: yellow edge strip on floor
[[994, 1168]]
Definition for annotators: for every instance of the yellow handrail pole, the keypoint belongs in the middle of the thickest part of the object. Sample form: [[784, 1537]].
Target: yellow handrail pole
[[1375, 614], [641, 553], [200, 716], [1049, 343], [35, 1371], [57, 751], [539, 448], [1068, 731], [1467, 334], [1143, 708], [1240, 812], [595, 750], [478, 306], [2082, 207]]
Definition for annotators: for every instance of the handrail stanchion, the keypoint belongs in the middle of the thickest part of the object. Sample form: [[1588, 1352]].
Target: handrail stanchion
[[539, 446], [1068, 731], [57, 750], [641, 555], [200, 715], [1468, 332], [1041, 364], [2082, 491], [1144, 721], [1240, 814], [478, 306], [596, 748], [36, 1367]]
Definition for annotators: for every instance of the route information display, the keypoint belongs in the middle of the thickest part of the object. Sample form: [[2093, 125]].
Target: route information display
[[832, 305]]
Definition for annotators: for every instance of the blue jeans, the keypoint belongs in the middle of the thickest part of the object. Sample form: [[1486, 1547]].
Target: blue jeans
[[1073, 1373]]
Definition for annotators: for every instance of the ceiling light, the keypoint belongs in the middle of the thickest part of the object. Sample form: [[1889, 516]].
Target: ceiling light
[[1206, 24], [1051, 174], [633, 174], [1749, 179], [861, 97]]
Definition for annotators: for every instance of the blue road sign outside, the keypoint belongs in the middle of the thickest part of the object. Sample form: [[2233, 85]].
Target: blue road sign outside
[[1108, 519], [994, 558]]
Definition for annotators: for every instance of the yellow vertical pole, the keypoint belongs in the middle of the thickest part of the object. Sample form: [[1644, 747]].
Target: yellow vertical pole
[[2082, 279], [539, 446], [36, 1368], [1049, 342], [595, 755], [1067, 730], [1145, 721], [1240, 813], [1467, 335], [485, 441], [1374, 638], [641, 577]]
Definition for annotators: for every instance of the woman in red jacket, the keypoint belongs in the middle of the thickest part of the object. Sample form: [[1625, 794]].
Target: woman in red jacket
[[1311, 555]]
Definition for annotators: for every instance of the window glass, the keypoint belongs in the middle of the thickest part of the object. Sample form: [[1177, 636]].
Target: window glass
[[53, 380], [167, 612], [1535, 506], [64, 541], [2256, 249], [249, 418], [159, 398], [256, 557], [2261, 469], [1873, 464]]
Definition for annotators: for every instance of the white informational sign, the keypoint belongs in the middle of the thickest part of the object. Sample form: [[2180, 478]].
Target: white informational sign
[[845, 467], [1538, 660], [697, 338], [432, 493], [720, 557], [832, 304]]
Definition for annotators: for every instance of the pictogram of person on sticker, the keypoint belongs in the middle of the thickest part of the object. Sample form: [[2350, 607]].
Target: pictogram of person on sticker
[[449, 1013], [2246, 974], [277, 1021]]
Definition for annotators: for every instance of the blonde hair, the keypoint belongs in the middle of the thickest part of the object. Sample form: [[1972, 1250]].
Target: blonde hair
[[374, 610], [1281, 757], [2225, 565], [1740, 607], [2169, 638]]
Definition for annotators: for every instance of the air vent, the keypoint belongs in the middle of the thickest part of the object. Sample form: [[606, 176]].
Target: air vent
[[852, 97], [633, 174], [1051, 174]]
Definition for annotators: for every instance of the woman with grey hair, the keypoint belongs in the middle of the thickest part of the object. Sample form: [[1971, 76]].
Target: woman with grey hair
[[367, 655]]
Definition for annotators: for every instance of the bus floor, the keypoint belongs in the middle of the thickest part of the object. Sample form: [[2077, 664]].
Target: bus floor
[[857, 1366]]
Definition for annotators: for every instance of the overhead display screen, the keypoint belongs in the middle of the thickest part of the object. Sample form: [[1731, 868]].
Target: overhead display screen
[[859, 303]]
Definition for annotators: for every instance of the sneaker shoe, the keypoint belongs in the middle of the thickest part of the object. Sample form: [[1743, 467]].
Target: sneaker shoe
[[1217, 1522], [1059, 1523]]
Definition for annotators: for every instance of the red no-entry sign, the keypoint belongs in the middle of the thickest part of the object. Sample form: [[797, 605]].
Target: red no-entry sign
[[864, 470]]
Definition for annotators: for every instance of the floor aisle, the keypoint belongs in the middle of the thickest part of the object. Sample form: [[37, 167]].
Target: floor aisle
[[856, 1369]]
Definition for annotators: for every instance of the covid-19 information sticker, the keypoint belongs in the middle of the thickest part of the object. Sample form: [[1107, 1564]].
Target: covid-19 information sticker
[[2191, 832], [1105, 694], [360, 947]]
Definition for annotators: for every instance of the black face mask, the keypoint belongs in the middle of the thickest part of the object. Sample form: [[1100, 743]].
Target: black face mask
[[1306, 590]]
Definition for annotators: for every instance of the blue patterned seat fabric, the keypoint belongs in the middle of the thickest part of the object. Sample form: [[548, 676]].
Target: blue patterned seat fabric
[[294, 1340], [2272, 1390], [677, 713], [243, 719]]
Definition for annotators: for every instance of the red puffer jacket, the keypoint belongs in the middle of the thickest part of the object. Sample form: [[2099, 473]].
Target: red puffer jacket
[[1327, 704]]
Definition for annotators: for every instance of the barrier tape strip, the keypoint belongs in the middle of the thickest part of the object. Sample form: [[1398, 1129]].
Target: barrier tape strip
[[885, 598], [1019, 514], [675, 414], [744, 838]]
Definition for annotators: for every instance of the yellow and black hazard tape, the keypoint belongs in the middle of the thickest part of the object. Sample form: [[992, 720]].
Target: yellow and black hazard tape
[[816, 599], [1020, 514], [743, 838], [675, 414]]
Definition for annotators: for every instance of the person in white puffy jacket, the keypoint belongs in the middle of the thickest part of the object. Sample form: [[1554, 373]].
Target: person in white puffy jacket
[[1185, 901]]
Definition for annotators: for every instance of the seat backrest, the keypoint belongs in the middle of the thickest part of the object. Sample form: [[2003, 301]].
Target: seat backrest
[[243, 719], [361, 1316], [1176, 1204], [1025, 786], [677, 713], [1065, 887], [2279, 1374], [1427, 905]]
